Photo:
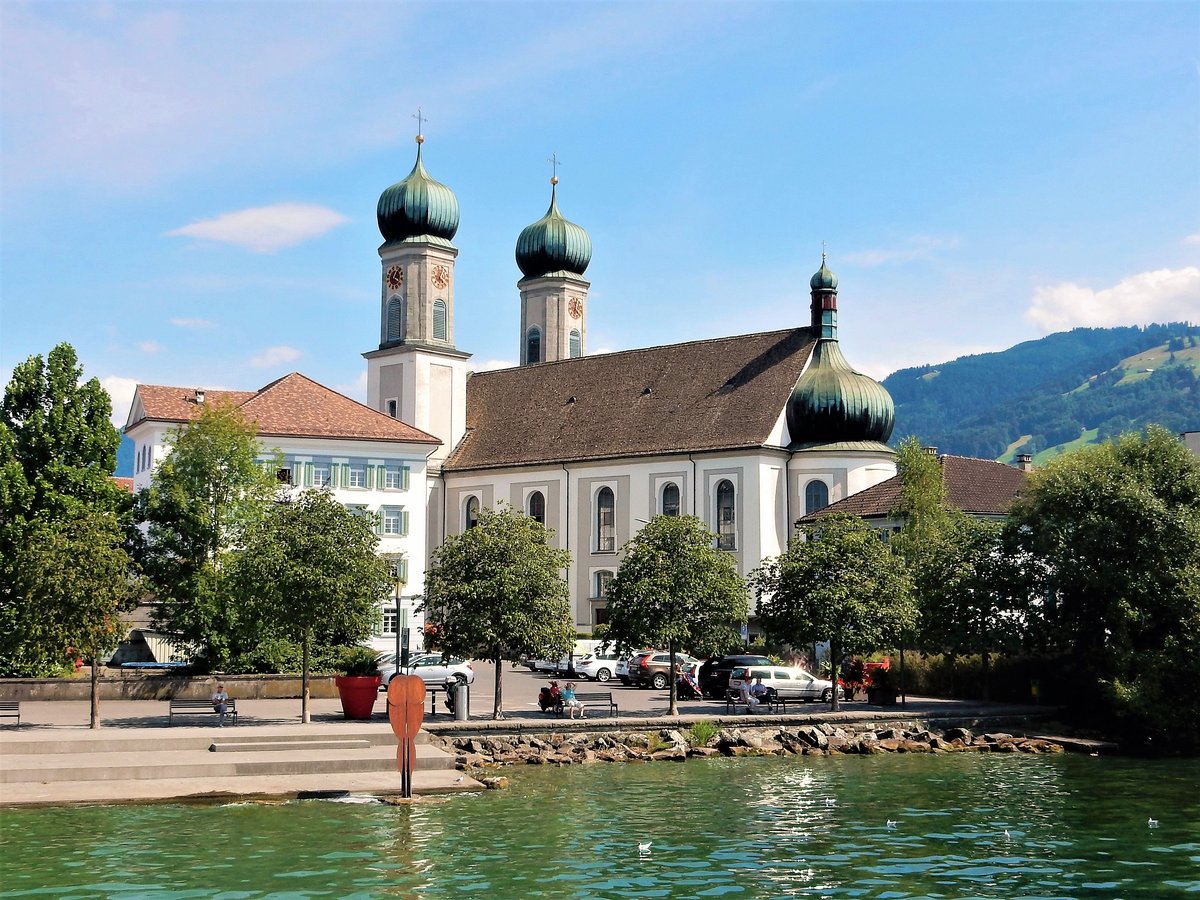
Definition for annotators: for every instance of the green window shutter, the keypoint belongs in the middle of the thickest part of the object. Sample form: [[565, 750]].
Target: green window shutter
[[404, 478], [404, 521], [379, 521], [308, 474], [402, 568]]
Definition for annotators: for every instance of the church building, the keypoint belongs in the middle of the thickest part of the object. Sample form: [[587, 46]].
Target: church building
[[748, 433]]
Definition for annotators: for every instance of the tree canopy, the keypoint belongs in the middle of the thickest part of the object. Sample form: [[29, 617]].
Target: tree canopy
[[206, 496], [837, 582], [308, 571], [497, 590], [674, 590]]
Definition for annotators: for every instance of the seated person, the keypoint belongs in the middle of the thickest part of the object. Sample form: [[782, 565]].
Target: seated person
[[569, 701], [760, 690], [746, 694]]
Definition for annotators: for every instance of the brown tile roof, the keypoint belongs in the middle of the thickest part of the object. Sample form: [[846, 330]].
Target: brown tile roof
[[126, 484], [702, 395], [293, 406], [982, 487]]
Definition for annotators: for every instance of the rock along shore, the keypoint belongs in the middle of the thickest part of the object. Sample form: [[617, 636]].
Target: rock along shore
[[667, 744]]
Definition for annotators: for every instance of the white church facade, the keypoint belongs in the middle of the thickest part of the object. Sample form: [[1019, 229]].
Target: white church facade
[[749, 433]]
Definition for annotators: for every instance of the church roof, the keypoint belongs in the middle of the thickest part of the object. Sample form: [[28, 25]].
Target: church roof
[[981, 487], [720, 394], [292, 406]]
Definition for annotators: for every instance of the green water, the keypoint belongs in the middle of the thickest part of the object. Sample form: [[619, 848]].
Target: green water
[[1076, 827]]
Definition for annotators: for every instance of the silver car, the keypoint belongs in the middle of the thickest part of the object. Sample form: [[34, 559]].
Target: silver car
[[430, 666], [788, 683]]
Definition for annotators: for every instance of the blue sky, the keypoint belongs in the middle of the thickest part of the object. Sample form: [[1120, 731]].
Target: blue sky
[[188, 190]]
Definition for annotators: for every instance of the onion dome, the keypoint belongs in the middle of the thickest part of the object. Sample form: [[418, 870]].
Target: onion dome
[[823, 280], [832, 403], [552, 244], [418, 206]]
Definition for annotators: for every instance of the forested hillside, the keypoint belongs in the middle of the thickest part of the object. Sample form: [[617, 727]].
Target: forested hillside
[[1039, 396]]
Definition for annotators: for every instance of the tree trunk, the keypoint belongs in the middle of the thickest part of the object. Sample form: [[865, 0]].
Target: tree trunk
[[95, 715], [835, 665], [498, 701], [304, 691], [673, 705], [985, 670]]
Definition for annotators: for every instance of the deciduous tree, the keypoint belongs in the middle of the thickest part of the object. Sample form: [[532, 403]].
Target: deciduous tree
[[308, 571], [497, 590], [675, 590], [837, 582]]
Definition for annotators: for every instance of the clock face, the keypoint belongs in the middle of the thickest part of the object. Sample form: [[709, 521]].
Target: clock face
[[394, 277], [575, 307], [441, 276]]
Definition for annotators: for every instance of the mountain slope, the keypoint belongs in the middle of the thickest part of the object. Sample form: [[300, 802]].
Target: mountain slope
[[1082, 385]]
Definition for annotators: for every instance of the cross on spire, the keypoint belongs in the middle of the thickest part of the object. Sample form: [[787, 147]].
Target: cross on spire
[[420, 123], [555, 162]]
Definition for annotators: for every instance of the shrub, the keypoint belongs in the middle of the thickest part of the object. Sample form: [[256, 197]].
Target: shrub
[[701, 733], [358, 661]]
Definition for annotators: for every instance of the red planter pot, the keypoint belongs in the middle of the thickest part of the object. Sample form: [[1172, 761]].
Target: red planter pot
[[358, 694]]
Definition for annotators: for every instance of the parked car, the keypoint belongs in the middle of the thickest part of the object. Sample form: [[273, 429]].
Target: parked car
[[787, 683], [430, 666], [654, 669], [623, 664], [714, 673], [600, 666]]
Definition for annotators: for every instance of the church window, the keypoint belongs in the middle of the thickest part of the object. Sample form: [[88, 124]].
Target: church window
[[537, 507], [670, 499], [816, 496], [391, 408], [395, 319], [726, 517], [439, 320], [606, 521], [576, 343], [471, 519], [602, 578], [533, 345]]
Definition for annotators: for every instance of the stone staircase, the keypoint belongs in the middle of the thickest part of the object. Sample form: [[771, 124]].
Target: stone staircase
[[276, 761]]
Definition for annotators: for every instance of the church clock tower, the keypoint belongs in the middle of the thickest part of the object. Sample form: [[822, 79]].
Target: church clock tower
[[416, 374], [553, 254]]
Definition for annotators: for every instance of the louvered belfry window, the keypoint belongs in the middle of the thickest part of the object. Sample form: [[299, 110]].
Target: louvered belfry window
[[576, 345], [439, 320], [533, 345], [395, 319]]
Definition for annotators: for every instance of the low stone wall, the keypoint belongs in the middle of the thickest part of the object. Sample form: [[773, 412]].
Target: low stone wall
[[122, 685], [672, 744]]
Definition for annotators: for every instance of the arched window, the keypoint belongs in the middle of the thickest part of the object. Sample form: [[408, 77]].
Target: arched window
[[537, 506], [395, 319], [606, 520], [439, 320], [816, 496], [670, 499], [726, 517], [576, 343], [471, 519], [600, 588], [533, 345]]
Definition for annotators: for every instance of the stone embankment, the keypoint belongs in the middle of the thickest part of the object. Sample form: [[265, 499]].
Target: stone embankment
[[672, 744]]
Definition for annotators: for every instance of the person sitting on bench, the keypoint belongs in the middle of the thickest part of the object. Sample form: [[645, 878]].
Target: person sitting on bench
[[746, 694], [220, 702]]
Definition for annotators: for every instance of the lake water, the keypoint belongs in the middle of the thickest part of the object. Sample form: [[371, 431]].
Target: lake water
[[895, 826]]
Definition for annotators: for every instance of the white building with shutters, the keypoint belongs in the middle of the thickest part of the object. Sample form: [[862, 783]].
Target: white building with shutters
[[314, 437]]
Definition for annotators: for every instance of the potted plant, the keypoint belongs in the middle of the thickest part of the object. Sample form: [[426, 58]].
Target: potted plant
[[883, 687], [358, 682]]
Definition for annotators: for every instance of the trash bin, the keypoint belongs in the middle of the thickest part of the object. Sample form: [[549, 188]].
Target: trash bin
[[462, 701]]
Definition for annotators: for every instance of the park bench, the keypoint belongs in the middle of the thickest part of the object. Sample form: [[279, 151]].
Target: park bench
[[593, 698], [179, 707], [11, 709]]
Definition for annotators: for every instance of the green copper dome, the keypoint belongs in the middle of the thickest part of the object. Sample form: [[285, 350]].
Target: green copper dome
[[418, 206], [823, 279], [552, 244], [831, 402]]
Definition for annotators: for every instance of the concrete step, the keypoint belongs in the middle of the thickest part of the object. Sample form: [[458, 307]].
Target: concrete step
[[270, 746], [202, 763], [158, 740]]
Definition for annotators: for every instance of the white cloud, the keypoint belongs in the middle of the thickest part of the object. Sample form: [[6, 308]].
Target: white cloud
[[121, 391], [150, 346], [919, 246], [266, 229], [490, 365], [1192, 238], [1164, 295], [274, 356], [192, 323]]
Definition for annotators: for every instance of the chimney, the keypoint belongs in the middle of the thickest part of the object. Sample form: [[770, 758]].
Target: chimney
[[199, 397], [1024, 462], [930, 451]]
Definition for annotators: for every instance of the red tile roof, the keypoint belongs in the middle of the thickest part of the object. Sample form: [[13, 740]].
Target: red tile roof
[[982, 487], [293, 406], [725, 393], [122, 482]]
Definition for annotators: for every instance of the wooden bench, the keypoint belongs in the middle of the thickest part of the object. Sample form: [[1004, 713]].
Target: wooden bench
[[593, 698], [11, 709], [180, 707]]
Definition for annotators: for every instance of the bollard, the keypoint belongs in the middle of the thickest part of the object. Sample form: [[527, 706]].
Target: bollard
[[462, 701]]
